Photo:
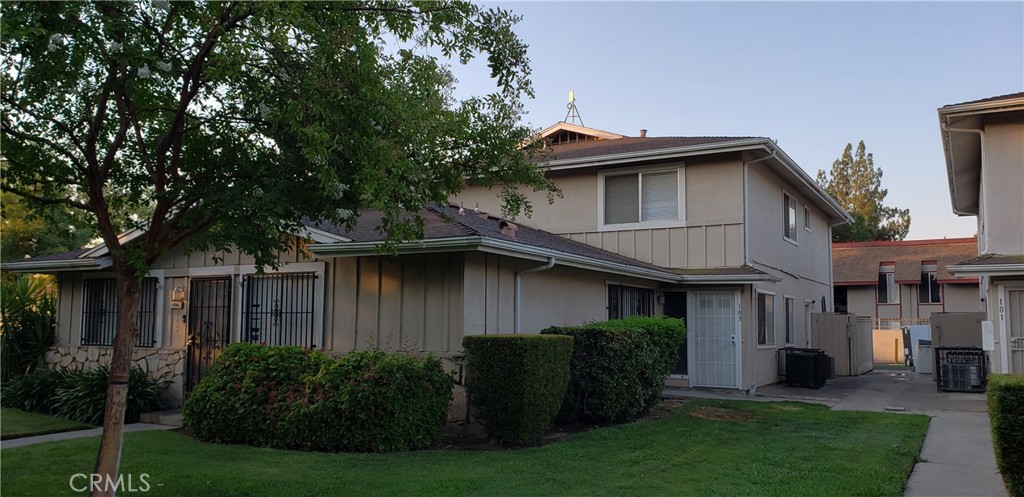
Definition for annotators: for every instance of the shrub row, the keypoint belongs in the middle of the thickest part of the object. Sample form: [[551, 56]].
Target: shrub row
[[618, 367], [516, 383], [81, 395], [1006, 409], [288, 397]]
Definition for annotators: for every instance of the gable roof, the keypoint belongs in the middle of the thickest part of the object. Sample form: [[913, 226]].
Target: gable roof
[[563, 127], [855, 264], [961, 144], [634, 144]]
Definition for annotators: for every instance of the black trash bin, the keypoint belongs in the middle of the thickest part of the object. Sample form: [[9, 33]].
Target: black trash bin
[[961, 369]]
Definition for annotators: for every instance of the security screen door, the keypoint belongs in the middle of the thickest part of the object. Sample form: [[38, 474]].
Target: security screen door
[[713, 333]]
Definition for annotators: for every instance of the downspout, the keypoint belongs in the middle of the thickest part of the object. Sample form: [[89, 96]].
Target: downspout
[[519, 285], [746, 208], [983, 195]]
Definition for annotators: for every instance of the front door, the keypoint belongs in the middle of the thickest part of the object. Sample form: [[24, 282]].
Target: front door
[[675, 307], [209, 326], [713, 335], [1015, 329]]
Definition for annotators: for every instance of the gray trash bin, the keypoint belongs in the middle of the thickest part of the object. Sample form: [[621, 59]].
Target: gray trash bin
[[923, 358]]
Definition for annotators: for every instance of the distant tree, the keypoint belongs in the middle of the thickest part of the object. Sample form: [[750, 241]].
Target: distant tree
[[228, 122], [856, 184], [27, 230]]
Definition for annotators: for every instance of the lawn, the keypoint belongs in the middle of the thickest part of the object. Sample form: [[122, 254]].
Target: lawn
[[704, 447], [15, 423]]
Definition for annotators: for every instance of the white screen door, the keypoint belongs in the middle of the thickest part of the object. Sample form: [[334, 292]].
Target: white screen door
[[1015, 325], [713, 334]]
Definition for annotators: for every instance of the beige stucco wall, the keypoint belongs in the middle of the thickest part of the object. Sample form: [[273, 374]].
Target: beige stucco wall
[[961, 297], [711, 235], [1003, 185]]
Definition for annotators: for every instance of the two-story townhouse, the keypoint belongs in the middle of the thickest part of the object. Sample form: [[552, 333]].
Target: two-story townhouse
[[983, 142], [902, 283], [745, 228]]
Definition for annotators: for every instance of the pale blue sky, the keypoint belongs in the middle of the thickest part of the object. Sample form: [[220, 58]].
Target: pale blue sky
[[813, 76]]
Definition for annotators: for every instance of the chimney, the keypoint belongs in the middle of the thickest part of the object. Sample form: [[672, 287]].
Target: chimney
[[508, 229], [643, 133]]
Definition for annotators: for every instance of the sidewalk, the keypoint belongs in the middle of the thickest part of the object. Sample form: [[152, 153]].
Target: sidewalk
[[67, 435], [957, 458]]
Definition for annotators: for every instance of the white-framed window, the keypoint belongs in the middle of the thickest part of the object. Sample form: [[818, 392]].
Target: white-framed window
[[807, 219], [641, 198], [887, 290], [790, 310], [765, 319], [789, 216], [625, 301], [99, 312], [930, 290]]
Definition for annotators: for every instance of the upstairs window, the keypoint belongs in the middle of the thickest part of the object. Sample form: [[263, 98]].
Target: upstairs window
[[99, 312], [930, 290], [789, 213], [625, 301], [641, 197], [888, 292], [807, 218]]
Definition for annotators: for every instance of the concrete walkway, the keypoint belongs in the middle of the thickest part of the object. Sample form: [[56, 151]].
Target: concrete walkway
[[957, 458], [67, 435]]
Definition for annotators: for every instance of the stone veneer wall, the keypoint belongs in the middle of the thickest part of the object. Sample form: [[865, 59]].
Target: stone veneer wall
[[168, 363]]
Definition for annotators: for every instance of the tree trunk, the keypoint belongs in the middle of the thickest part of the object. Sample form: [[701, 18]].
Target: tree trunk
[[109, 458]]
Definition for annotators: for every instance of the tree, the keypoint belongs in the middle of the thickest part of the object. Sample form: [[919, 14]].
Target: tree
[[856, 184], [29, 232], [230, 122]]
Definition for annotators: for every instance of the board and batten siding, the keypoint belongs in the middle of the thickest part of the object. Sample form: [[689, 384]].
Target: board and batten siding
[[411, 302], [711, 235]]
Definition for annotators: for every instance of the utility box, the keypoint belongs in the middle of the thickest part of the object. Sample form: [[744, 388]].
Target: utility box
[[923, 358]]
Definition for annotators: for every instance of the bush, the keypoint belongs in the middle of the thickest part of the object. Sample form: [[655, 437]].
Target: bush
[[35, 391], [291, 398], [619, 367], [1006, 409], [81, 395], [516, 383], [27, 311]]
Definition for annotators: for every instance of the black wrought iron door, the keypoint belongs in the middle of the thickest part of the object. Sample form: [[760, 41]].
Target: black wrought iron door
[[209, 326]]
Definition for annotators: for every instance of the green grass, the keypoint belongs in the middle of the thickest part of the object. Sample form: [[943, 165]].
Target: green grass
[[765, 448], [15, 423]]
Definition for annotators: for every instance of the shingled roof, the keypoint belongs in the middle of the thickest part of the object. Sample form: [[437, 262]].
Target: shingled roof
[[599, 148], [442, 222], [857, 263]]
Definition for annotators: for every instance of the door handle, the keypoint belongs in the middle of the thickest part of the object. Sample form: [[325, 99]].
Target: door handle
[[733, 337]]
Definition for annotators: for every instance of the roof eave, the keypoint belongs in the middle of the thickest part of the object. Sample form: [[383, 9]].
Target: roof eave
[[732, 279], [59, 266], [987, 269]]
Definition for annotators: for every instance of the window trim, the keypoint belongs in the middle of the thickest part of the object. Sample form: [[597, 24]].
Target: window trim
[[678, 168], [807, 218], [789, 315], [758, 319], [785, 214]]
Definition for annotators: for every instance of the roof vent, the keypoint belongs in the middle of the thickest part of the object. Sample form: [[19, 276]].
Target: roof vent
[[643, 133], [508, 229]]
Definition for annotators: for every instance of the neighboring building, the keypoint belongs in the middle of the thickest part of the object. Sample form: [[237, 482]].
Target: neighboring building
[[727, 232], [747, 230], [903, 283], [983, 142]]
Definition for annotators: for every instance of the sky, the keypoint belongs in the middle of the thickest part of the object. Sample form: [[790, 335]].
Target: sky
[[814, 76]]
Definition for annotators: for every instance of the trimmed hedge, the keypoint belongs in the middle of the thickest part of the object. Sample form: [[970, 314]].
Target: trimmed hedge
[[619, 367], [1006, 409], [516, 383], [291, 398]]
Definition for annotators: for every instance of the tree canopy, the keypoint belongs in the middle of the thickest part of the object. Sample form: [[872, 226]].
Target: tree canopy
[[30, 230], [856, 184], [227, 123]]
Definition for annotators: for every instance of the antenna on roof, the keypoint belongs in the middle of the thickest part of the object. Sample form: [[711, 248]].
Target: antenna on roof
[[573, 114]]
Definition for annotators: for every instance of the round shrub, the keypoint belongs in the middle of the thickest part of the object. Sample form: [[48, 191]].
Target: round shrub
[[291, 398], [1006, 409], [516, 382], [618, 367]]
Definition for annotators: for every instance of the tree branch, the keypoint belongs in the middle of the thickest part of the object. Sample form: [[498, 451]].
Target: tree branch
[[47, 200], [36, 138]]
